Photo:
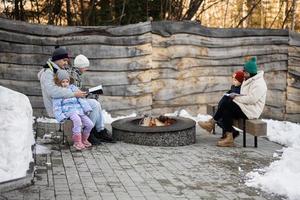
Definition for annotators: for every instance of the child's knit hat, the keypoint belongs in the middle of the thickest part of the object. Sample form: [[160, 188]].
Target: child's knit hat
[[81, 61], [239, 76], [62, 75], [251, 66]]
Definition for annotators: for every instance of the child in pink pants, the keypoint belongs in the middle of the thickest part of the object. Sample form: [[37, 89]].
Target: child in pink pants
[[74, 108]]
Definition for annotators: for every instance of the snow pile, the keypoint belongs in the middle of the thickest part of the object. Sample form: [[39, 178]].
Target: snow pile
[[108, 119], [16, 134], [282, 176]]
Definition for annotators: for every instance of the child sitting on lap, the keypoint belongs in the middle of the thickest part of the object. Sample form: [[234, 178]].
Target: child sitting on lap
[[74, 108]]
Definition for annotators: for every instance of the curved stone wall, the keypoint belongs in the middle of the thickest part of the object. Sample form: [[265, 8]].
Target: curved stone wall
[[156, 67]]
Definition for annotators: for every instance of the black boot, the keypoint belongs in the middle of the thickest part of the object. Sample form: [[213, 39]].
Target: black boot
[[235, 133], [105, 136], [93, 139]]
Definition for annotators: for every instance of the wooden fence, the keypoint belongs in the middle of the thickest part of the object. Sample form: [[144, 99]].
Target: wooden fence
[[156, 67]]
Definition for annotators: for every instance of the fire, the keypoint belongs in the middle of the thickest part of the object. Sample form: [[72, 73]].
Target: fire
[[156, 121]]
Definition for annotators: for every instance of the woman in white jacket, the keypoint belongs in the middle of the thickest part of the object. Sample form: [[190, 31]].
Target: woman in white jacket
[[248, 105]]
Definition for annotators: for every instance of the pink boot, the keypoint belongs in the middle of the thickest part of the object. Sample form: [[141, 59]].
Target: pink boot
[[85, 141], [77, 141]]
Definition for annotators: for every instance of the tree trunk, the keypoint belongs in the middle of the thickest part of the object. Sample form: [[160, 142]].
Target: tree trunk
[[293, 15], [82, 12], [69, 14], [17, 12]]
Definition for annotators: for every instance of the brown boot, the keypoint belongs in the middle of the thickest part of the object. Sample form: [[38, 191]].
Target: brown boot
[[208, 125], [227, 142]]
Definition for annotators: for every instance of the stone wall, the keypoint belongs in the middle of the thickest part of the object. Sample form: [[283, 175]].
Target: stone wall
[[156, 67]]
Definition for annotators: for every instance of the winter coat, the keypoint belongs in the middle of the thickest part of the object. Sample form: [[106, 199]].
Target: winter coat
[[63, 108], [254, 90], [49, 89]]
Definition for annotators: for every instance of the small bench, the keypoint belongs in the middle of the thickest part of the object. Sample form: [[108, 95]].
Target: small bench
[[66, 127], [255, 127]]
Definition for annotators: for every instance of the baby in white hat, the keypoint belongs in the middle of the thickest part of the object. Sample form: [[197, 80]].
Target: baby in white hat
[[81, 62]]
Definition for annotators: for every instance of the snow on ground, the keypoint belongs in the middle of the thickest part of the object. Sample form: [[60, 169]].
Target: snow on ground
[[16, 134], [282, 176]]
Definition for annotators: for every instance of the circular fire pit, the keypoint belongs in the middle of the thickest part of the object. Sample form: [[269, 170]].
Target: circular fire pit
[[181, 132]]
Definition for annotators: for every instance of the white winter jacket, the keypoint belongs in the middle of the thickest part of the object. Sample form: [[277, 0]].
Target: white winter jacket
[[255, 91], [50, 90]]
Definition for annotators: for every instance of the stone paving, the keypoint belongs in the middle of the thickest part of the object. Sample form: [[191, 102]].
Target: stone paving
[[123, 171]]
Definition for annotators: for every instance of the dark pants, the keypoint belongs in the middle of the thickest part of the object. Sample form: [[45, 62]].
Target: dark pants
[[228, 111]]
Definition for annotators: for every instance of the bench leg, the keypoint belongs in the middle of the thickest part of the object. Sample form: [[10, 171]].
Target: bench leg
[[255, 141], [63, 133], [214, 129], [244, 133]]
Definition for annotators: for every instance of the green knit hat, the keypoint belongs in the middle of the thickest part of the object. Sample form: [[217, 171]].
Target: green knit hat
[[251, 66]]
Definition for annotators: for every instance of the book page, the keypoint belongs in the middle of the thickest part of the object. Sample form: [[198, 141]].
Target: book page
[[97, 88]]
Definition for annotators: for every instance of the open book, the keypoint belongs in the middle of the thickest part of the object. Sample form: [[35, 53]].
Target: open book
[[233, 94], [96, 90]]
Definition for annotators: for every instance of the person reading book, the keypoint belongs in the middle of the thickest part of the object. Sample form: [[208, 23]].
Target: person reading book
[[99, 133], [250, 105]]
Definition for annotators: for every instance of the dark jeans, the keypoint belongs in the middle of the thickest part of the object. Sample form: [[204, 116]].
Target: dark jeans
[[228, 111]]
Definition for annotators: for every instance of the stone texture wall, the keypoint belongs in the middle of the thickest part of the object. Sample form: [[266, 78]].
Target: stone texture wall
[[156, 67]]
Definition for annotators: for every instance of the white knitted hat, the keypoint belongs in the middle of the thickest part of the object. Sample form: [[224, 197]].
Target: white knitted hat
[[81, 61]]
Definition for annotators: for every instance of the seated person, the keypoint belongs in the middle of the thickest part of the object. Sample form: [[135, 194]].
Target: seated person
[[249, 105], [75, 109]]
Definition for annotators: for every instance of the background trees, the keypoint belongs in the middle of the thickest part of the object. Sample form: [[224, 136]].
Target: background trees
[[212, 13]]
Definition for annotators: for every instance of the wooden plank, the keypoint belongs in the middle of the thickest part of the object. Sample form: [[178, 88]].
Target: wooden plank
[[293, 80], [276, 80], [192, 99], [90, 50], [266, 62], [177, 51], [36, 102], [19, 72], [255, 127], [32, 88], [292, 107], [122, 103], [276, 98], [202, 41], [167, 28], [121, 64], [24, 59], [164, 90], [293, 117], [117, 78], [36, 29], [128, 90], [294, 38], [13, 37], [293, 94], [141, 111], [49, 30], [273, 113]]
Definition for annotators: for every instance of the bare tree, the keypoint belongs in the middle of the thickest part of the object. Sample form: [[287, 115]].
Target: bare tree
[[248, 14], [69, 14]]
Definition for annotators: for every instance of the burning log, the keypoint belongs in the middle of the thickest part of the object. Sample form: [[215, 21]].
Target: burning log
[[153, 121]]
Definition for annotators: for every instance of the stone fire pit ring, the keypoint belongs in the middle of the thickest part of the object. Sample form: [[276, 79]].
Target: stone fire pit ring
[[181, 132]]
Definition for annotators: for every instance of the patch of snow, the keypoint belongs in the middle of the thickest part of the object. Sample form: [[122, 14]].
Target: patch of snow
[[282, 176], [108, 119], [16, 134], [47, 120]]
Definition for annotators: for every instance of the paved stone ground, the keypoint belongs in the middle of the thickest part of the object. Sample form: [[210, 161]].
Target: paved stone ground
[[125, 171]]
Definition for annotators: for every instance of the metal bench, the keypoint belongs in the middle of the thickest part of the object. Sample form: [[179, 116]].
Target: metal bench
[[255, 127]]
